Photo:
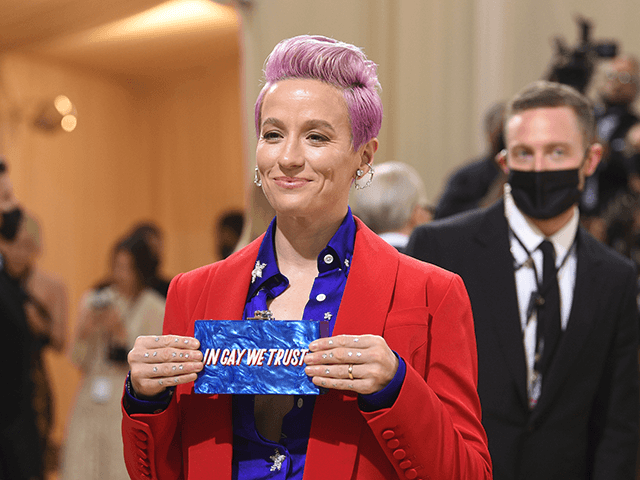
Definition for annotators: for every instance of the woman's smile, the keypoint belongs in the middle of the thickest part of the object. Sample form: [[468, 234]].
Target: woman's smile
[[290, 182]]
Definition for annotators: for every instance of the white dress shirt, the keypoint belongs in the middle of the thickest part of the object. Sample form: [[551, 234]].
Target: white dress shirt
[[524, 272]]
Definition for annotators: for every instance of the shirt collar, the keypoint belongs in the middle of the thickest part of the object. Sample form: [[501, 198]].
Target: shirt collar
[[531, 236], [336, 255]]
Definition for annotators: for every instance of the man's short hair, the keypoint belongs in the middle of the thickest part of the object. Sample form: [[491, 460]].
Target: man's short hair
[[387, 205], [340, 64], [545, 94]]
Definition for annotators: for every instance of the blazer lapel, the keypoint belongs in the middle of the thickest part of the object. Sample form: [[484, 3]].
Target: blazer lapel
[[362, 310], [228, 303], [499, 297], [581, 320]]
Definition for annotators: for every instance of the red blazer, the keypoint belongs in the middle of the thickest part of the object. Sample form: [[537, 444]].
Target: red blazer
[[432, 431]]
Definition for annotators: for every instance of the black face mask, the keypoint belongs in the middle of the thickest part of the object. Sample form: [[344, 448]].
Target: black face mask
[[545, 194], [10, 223]]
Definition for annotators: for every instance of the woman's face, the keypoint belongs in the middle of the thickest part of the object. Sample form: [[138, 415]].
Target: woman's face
[[124, 273], [304, 153]]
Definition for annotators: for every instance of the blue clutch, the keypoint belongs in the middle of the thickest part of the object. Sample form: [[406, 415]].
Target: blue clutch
[[257, 357]]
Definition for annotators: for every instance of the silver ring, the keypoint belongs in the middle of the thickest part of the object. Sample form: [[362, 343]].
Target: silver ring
[[350, 371]]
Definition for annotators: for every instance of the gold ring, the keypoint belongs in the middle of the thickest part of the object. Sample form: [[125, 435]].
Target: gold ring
[[350, 372]]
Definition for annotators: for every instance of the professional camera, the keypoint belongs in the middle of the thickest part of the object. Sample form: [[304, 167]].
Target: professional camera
[[575, 66]]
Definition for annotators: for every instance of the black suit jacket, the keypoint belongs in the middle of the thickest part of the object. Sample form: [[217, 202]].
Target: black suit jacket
[[467, 187], [586, 422]]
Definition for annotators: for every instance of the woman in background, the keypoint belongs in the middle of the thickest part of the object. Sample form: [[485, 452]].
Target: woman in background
[[111, 316]]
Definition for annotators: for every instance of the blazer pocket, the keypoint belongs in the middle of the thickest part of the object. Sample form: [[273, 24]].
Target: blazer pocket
[[407, 333]]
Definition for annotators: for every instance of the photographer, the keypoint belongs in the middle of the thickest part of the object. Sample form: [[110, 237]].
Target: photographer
[[617, 88], [112, 315]]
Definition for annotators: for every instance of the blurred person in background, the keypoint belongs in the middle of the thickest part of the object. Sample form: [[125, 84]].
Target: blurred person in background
[[44, 297], [21, 446], [616, 85], [394, 204], [111, 316], [471, 186], [152, 235], [227, 230]]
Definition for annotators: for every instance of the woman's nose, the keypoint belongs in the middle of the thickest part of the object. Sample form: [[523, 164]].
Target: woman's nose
[[292, 154]]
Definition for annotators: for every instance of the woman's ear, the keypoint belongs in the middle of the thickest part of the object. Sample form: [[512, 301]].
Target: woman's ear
[[367, 152]]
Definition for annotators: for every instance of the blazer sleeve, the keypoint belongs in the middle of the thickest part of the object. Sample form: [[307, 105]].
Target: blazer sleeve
[[152, 446], [434, 428]]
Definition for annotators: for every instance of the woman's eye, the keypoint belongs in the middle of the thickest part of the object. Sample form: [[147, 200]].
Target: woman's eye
[[271, 135], [316, 137]]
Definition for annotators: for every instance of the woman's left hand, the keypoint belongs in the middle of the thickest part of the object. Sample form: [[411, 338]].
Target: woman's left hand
[[360, 363]]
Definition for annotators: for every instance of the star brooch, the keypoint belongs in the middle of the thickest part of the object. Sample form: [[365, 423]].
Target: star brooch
[[257, 271], [277, 461]]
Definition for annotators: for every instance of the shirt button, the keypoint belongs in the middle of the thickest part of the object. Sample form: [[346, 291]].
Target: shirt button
[[300, 402], [328, 258], [321, 297]]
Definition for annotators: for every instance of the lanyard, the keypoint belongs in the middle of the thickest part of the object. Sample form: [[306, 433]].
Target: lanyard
[[537, 295]]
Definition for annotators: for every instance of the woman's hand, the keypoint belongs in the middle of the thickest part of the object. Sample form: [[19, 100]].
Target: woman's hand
[[158, 362], [368, 358]]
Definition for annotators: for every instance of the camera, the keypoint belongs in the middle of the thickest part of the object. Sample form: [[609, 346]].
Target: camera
[[101, 299], [574, 67]]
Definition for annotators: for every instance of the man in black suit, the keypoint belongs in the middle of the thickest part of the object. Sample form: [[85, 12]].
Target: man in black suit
[[557, 339]]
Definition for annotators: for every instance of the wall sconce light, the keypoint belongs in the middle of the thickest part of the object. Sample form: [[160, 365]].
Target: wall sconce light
[[59, 113]]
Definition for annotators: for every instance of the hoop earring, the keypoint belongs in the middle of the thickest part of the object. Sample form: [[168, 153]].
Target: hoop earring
[[256, 178], [360, 173]]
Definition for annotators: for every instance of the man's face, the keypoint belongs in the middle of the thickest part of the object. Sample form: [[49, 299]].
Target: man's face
[[543, 139], [619, 82]]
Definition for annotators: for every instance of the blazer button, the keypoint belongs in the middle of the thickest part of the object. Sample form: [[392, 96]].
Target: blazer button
[[394, 443], [388, 434], [399, 454], [141, 435], [411, 474], [406, 464]]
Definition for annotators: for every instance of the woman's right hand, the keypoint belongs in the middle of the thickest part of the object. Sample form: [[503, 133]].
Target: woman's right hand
[[158, 362]]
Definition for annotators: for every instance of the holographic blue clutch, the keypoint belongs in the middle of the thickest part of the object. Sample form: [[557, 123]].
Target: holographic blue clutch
[[256, 356]]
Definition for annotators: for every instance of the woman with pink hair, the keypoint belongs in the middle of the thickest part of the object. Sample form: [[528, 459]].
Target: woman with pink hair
[[399, 368]]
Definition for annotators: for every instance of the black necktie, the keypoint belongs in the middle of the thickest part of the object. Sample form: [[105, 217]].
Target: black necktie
[[549, 328]]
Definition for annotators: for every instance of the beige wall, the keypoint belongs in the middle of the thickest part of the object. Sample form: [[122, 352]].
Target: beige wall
[[442, 63], [167, 151]]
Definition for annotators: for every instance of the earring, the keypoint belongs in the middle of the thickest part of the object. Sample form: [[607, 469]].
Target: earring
[[256, 178], [360, 173]]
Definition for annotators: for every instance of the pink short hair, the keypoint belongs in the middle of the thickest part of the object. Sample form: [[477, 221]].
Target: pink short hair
[[337, 63]]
